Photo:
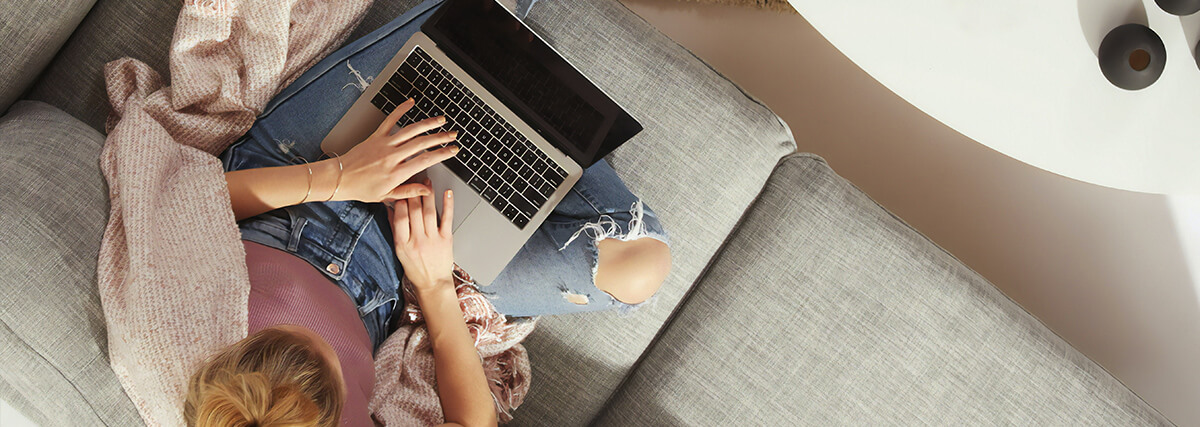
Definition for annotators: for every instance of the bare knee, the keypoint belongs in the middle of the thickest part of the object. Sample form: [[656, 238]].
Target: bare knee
[[632, 271]]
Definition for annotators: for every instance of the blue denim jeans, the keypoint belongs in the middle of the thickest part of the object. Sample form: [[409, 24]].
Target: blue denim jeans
[[351, 242]]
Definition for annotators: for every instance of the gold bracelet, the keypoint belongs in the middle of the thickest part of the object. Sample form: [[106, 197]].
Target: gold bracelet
[[310, 177], [339, 178]]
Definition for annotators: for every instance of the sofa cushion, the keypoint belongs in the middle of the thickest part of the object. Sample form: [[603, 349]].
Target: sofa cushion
[[696, 122], [824, 309], [54, 206], [31, 31]]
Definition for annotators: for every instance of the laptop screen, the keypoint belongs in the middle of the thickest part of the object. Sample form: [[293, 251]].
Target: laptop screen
[[521, 70]]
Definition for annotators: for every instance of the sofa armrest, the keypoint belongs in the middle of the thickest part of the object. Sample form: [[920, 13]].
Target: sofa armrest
[[54, 204], [32, 33], [825, 309]]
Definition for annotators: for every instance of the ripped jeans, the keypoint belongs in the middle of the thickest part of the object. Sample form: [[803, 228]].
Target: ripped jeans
[[351, 242]]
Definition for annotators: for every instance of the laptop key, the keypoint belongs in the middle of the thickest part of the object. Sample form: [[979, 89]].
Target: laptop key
[[477, 113], [424, 67], [466, 140], [499, 203], [455, 165], [477, 184], [519, 185], [420, 84], [511, 212], [550, 175], [505, 155], [487, 157], [521, 221], [509, 175], [495, 145], [529, 157], [407, 71], [425, 104], [485, 173], [507, 190], [525, 172], [501, 169], [523, 205], [495, 181], [533, 195], [380, 102], [489, 194], [391, 93], [546, 190], [441, 101]]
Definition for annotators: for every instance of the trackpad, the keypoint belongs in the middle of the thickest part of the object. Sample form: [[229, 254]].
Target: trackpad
[[465, 198]]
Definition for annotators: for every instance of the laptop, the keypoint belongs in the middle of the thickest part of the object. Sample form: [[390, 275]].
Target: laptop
[[529, 123]]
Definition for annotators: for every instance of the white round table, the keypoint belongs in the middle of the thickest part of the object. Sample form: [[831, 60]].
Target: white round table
[[1022, 77]]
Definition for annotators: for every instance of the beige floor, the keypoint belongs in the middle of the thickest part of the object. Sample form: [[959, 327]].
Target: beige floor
[[1106, 269]]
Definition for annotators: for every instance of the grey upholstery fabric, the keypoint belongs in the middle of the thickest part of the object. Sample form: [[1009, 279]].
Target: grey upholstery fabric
[[31, 31], [54, 206], [74, 82], [823, 309], [695, 122]]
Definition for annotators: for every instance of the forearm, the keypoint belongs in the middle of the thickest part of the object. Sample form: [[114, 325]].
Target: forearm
[[254, 191], [462, 386]]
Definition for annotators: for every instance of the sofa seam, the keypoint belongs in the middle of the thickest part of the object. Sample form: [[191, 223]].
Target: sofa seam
[[56, 369]]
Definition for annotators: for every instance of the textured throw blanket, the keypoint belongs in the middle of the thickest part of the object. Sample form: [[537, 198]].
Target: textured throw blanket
[[172, 272]]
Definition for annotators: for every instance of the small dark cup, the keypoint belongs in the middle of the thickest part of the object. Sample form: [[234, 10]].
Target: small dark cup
[[1132, 56], [1179, 7]]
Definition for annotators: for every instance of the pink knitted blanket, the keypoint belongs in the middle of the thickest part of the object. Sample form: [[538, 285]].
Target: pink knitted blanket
[[172, 273]]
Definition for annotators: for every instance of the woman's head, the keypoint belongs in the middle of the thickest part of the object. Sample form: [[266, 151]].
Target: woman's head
[[284, 375]]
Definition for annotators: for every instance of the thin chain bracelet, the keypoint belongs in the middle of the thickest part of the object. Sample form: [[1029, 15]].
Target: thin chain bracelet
[[310, 177], [339, 178]]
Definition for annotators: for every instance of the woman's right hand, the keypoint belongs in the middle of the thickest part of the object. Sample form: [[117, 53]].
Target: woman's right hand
[[376, 169]]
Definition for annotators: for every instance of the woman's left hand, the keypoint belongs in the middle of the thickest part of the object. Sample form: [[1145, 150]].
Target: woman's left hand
[[424, 247]]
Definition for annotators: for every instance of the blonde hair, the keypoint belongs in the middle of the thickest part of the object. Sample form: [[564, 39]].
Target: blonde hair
[[271, 378]]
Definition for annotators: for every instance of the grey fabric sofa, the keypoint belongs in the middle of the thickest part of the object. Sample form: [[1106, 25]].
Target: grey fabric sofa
[[794, 298]]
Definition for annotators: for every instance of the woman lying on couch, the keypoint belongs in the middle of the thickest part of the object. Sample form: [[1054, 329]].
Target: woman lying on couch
[[328, 241]]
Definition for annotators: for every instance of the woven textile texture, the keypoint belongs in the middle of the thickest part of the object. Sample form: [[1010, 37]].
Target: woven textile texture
[[824, 309]]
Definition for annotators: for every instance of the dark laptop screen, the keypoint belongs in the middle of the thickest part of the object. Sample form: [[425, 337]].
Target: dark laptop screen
[[534, 81]]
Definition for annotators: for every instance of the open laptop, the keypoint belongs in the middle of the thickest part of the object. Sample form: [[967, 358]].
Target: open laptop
[[529, 123]]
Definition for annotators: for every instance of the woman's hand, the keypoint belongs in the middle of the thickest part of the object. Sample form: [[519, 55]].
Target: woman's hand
[[424, 247], [376, 169]]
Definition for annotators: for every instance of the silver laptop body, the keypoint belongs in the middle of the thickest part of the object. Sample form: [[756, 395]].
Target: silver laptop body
[[487, 233]]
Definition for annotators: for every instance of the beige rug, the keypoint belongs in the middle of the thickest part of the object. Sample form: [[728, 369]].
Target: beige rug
[[776, 5]]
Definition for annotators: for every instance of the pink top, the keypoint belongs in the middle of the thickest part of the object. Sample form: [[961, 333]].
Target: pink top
[[285, 289]]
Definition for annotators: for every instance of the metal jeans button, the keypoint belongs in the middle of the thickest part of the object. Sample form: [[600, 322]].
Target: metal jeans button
[[333, 268]]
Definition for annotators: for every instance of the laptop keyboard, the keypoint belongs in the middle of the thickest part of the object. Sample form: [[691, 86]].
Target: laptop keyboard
[[500, 164]]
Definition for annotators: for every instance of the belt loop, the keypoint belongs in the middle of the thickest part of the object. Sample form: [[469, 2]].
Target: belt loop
[[297, 228]]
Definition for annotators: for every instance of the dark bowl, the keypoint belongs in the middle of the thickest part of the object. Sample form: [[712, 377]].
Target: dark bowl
[[1179, 7], [1132, 56]]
